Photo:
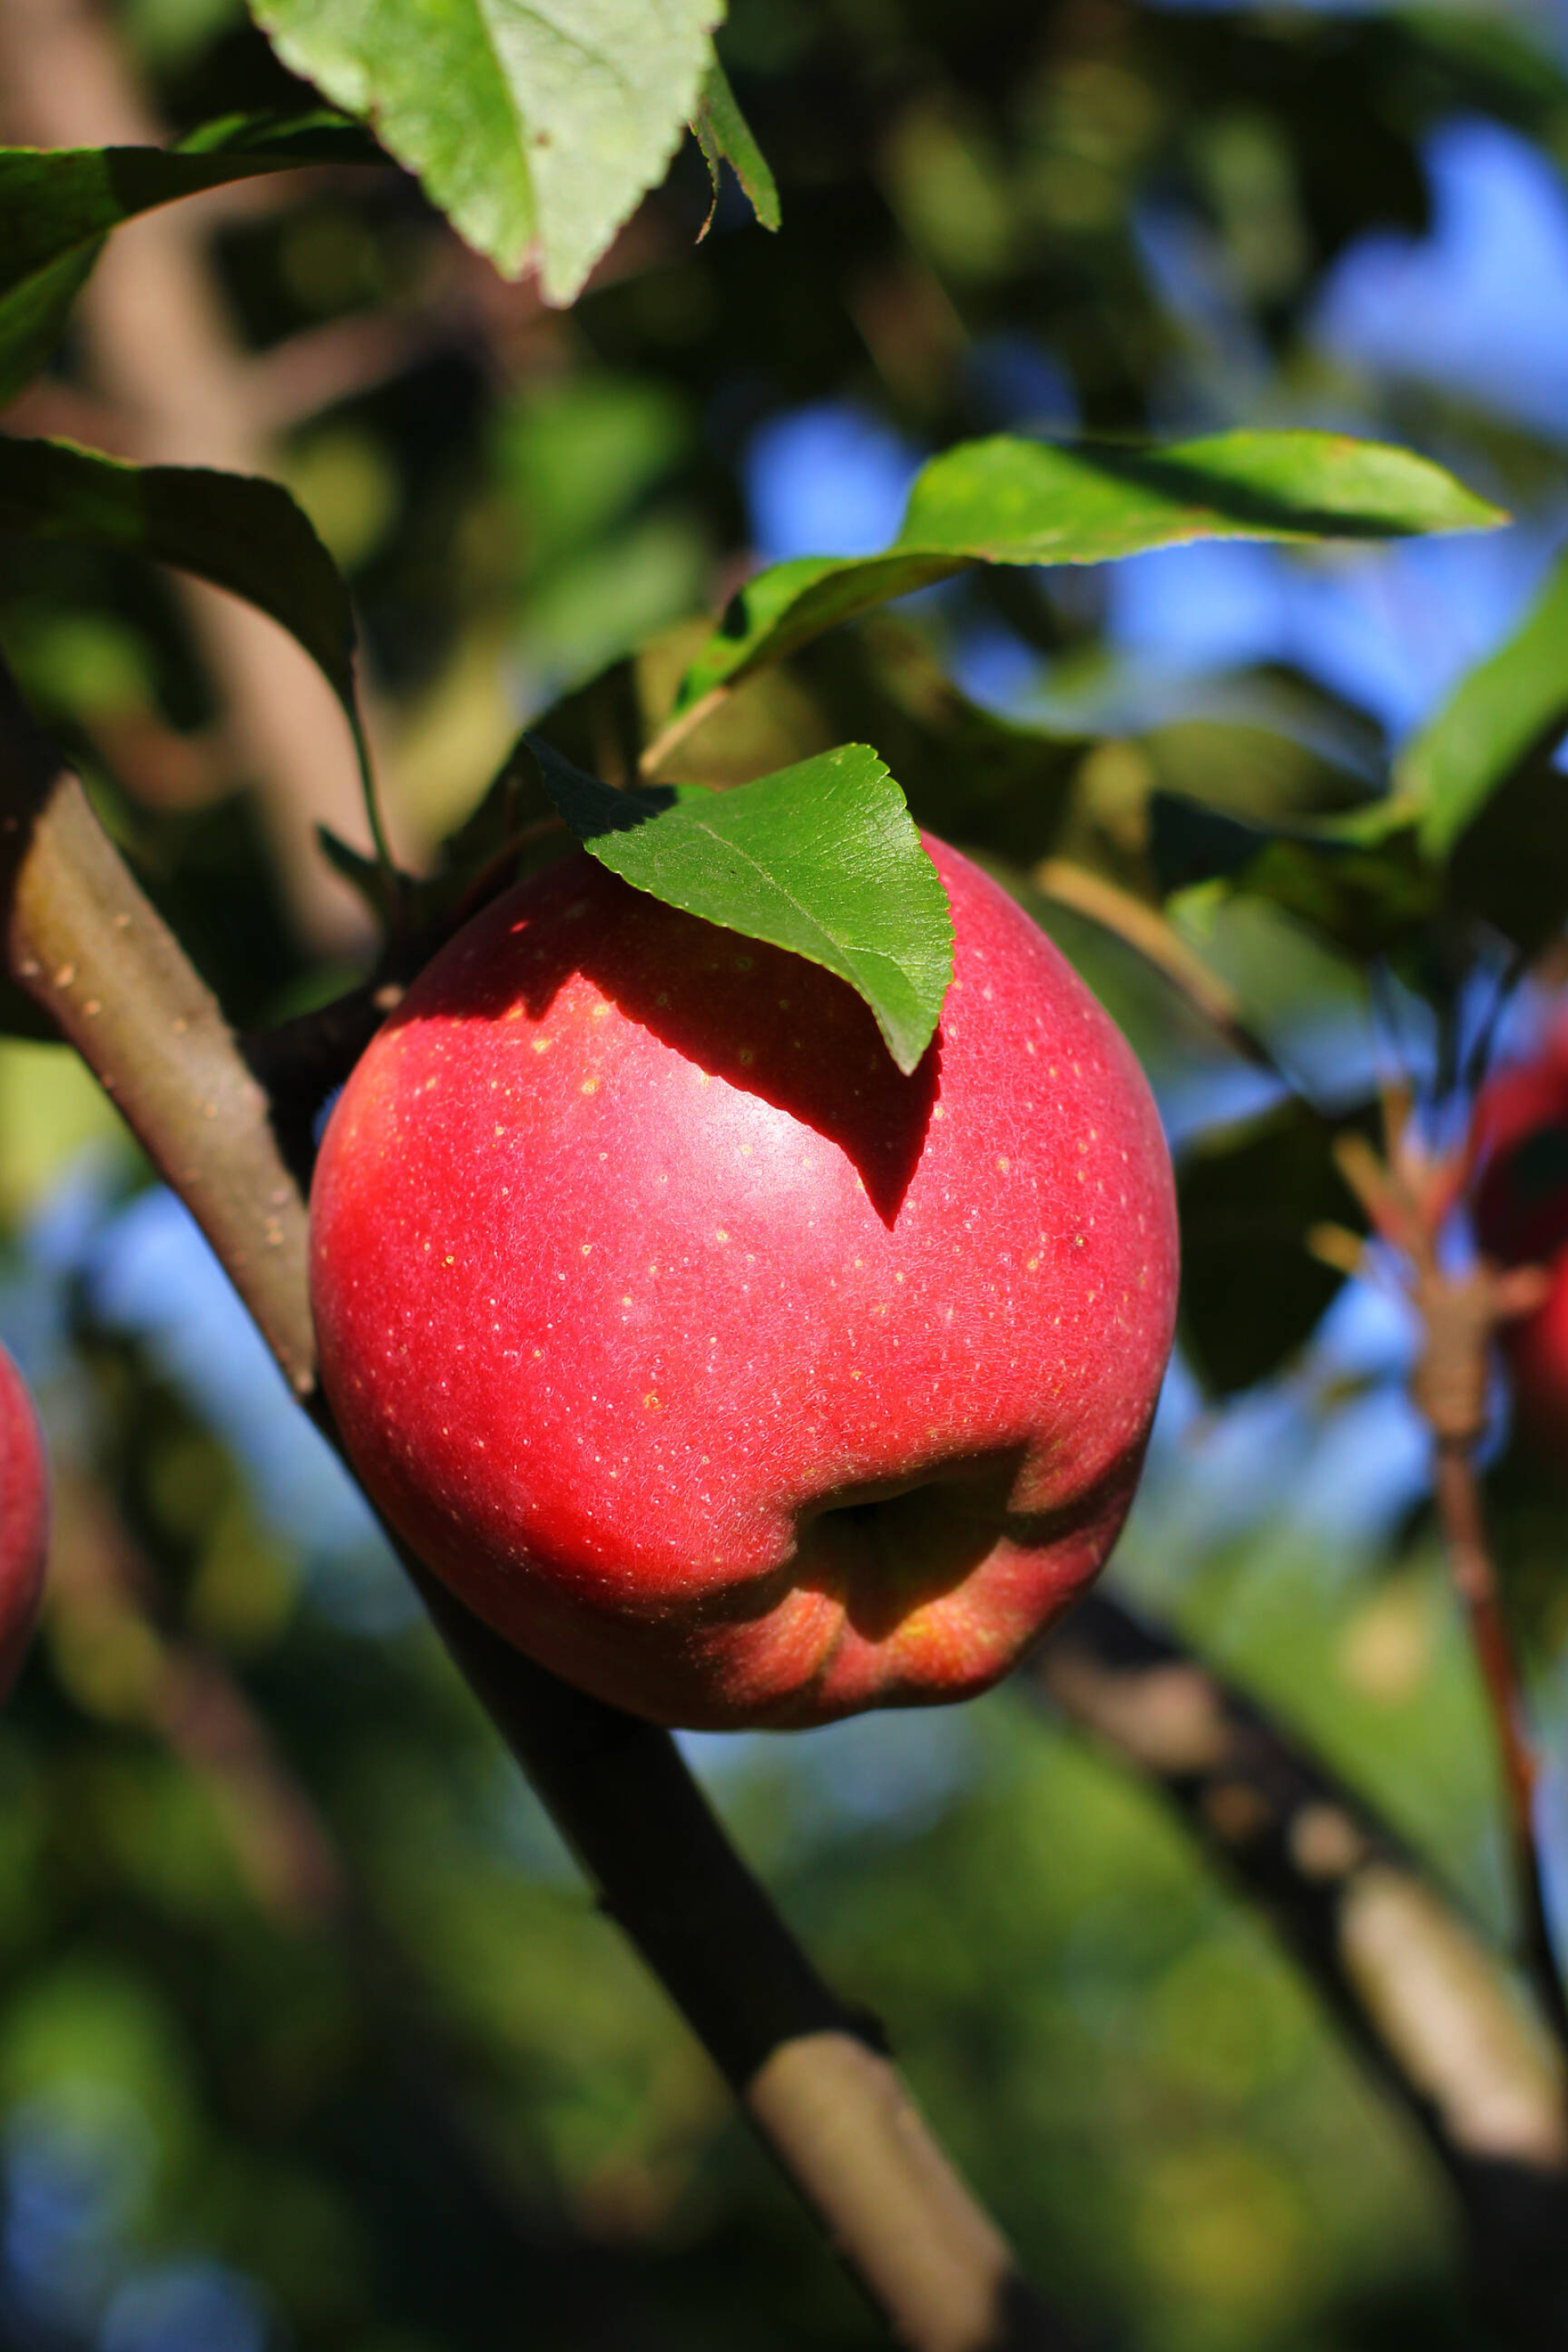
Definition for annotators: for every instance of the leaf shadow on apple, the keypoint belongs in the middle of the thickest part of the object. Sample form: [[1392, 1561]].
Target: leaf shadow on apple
[[763, 1019]]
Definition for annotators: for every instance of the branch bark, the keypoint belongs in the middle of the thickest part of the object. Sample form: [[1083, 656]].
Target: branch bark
[[1416, 1989], [83, 940]]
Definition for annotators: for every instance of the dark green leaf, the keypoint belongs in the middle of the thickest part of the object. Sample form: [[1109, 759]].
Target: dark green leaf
[[57, 204], [1248, 1197], [32, 317], [1360, 881], [535, 130], [725, 137], [361, 874], [1008, 500], [234, 530], [1510, 865], [822, 858], [1511, 705]]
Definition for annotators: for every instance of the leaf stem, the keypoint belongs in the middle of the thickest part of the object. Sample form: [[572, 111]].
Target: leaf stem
[[676, 731], [371, 794]]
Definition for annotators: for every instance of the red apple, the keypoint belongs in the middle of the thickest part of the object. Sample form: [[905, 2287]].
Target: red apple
[[725, 1370], [1519, 1151], [24, 1520]]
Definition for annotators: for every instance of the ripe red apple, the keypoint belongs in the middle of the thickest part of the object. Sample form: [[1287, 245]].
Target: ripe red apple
[[24, 1520], [725, 1370], [1519, 1150]]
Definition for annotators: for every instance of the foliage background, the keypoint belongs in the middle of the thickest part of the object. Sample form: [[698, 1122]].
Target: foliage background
[[309, 2035]]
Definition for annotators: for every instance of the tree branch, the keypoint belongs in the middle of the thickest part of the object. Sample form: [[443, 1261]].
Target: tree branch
[[1412, 1985], [83, 940]]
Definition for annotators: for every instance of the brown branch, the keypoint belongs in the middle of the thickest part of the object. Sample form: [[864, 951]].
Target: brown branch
[[1409, 1981], [822, 2097]]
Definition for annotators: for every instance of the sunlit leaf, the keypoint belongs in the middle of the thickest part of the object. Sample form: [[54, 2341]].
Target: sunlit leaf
[[822, 858], [1511, 705], [725, 137], [535, 125], [1249, 1196], [1008, 500]]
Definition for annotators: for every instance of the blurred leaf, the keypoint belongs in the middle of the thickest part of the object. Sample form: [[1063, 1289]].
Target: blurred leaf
[[725, 137], [968, 773], [1007, 501], [1510, 865], [33, 317], [1173, 1011], [513, 830], [1499, 713], [1248, 1195], [534, 131], [1358, 881], [237, 530], [1259, 770], [57, 204], [822, 858], [578, 455]]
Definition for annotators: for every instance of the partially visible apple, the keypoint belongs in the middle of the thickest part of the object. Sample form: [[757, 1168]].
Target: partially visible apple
[[1519, 1150], [727, 1372], [24, 1520]]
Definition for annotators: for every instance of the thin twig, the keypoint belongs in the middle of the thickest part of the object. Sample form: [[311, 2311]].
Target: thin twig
[[823, 2096], [672, 735]]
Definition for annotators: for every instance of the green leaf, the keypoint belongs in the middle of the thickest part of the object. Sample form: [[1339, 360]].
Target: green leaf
[[1007, 501], [57, 204], [534, 125], [32, 317], [1358, 881], [237, 530], [822, 858], [1511, 865], [1015, 502], [1513, 704], [725, 137], [1248, 1196]]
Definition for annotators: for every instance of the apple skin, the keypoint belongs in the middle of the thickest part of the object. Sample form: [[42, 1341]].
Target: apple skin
[[736, 1377], [1519, 1155], [24, 1520]]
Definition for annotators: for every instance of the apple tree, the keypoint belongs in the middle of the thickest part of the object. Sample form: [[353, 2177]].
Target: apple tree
[[441, 444]]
